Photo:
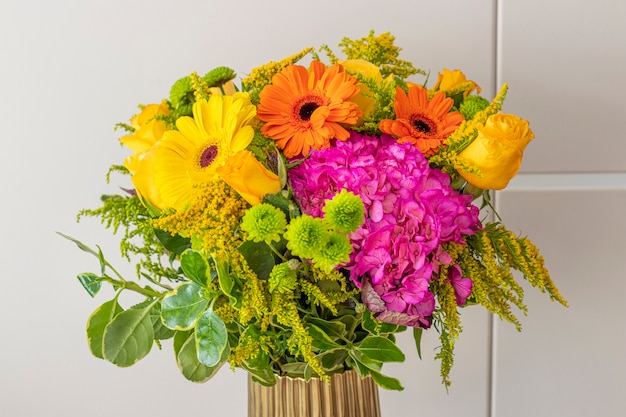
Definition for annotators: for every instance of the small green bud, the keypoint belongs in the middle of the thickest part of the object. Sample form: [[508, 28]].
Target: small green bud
[[264, 223], [472, 105], [344, 212], [305, 235]]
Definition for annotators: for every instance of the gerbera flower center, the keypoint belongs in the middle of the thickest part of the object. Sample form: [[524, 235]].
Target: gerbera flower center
[[306, 106], [424, 124], [306, 110], [208, 156]]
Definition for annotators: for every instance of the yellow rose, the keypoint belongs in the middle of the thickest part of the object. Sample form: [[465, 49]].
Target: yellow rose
[[497, 151], [363, 99], [149, 130], [249, 177], [454, 82]]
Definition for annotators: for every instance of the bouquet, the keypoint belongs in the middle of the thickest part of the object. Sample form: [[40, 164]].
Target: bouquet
[[290, 223]]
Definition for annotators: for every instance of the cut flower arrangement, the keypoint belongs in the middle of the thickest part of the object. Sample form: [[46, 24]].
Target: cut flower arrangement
[[290, 223]]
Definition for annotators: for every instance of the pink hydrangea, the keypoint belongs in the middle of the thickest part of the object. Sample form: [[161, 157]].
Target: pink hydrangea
[[411, 210]]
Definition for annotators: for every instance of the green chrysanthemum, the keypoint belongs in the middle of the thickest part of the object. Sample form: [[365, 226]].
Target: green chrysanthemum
[[472, 105], [345, 212], [264, 223], [305, 235], [283, 277], [336, 250]]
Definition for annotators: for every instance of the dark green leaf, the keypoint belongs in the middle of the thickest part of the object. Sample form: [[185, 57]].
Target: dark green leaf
[[195, 267], [417, 336], [259, 257], [129, 336], [386, 382], [90, 282], [191, 367], [97, 322], [211, 338], [173, 243], [334, 359], [181, 308], [381, 349]]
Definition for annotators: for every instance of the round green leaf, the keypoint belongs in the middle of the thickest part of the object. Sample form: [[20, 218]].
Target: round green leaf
[[129, 336], [191, 367], [211, 338], [97, 322], [194, 266], [180, 308]]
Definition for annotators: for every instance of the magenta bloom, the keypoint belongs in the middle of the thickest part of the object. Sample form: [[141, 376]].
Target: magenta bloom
[[410, 211]]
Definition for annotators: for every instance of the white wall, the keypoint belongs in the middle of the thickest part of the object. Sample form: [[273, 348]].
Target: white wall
[[70, 70]]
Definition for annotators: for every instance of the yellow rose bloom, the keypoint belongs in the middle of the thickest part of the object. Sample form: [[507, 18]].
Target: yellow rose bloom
[[497, 151], [364, 98], [246, 175], [149, 129], [454, 82]]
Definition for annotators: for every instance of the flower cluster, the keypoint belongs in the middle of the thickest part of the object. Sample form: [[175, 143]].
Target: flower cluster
[[293, 223], [412, 211]]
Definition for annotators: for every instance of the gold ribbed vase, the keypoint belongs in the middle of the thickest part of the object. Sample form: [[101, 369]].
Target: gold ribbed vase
[[347, 395]]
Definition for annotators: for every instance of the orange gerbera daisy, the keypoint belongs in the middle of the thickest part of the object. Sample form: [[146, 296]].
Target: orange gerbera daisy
[[302, 110], [426, 124]]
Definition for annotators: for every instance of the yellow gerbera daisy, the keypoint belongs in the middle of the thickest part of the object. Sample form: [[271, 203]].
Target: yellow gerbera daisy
[[303, 109], [191, 155]]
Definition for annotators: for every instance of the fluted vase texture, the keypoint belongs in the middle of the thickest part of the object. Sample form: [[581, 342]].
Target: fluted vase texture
[[347, 395]]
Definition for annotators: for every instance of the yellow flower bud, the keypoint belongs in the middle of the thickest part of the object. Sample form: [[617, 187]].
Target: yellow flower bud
[[497, 151], [454, 82], [363, 99], [249, 177]]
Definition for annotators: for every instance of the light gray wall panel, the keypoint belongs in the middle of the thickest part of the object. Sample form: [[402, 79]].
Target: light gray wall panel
[[564, 61], [568, 362]]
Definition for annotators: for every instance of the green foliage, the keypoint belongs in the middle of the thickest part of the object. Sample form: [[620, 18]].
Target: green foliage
[[379, 50], [139, 238]]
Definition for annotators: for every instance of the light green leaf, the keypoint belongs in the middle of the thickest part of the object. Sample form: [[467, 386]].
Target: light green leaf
[[195, 267], [417, 336], [90, 282], [386, 382], [223, 277], [80, 245], [129, 336], [97, 322], [181, 308], [191, 367], [321, 341], [381, 349], [180, 337], [160, 331], [211, 338], [335, 329]]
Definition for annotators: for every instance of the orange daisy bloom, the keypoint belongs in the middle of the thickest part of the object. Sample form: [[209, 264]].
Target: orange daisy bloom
[[302, 109], [426, 124]]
